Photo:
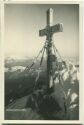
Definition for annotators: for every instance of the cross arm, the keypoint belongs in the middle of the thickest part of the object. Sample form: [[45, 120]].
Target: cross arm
[[42, 32], [51, 29], [57, 28]]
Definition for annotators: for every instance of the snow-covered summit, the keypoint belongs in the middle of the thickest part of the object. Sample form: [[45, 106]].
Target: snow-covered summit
[[15, 68]]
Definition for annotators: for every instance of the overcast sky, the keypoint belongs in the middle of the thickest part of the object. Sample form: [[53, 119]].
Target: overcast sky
[[23, 22]]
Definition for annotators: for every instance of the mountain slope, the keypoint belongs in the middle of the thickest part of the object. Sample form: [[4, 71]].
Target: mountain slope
[[61, 103]]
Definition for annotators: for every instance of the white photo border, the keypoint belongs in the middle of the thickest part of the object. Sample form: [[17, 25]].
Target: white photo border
[[81, 87]]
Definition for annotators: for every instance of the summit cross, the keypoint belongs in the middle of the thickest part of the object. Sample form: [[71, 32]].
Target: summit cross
[[48, 32]]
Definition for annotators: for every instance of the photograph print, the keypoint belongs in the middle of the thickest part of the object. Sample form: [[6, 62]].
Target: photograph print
[[41, 61]]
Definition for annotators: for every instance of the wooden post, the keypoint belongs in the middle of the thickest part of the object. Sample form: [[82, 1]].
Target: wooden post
[[48, 32], [50, 17], [49, 48]]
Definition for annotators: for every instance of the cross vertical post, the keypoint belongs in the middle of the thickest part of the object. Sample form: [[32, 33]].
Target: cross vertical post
[[50, 17], [48, 32], [49, 47]]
